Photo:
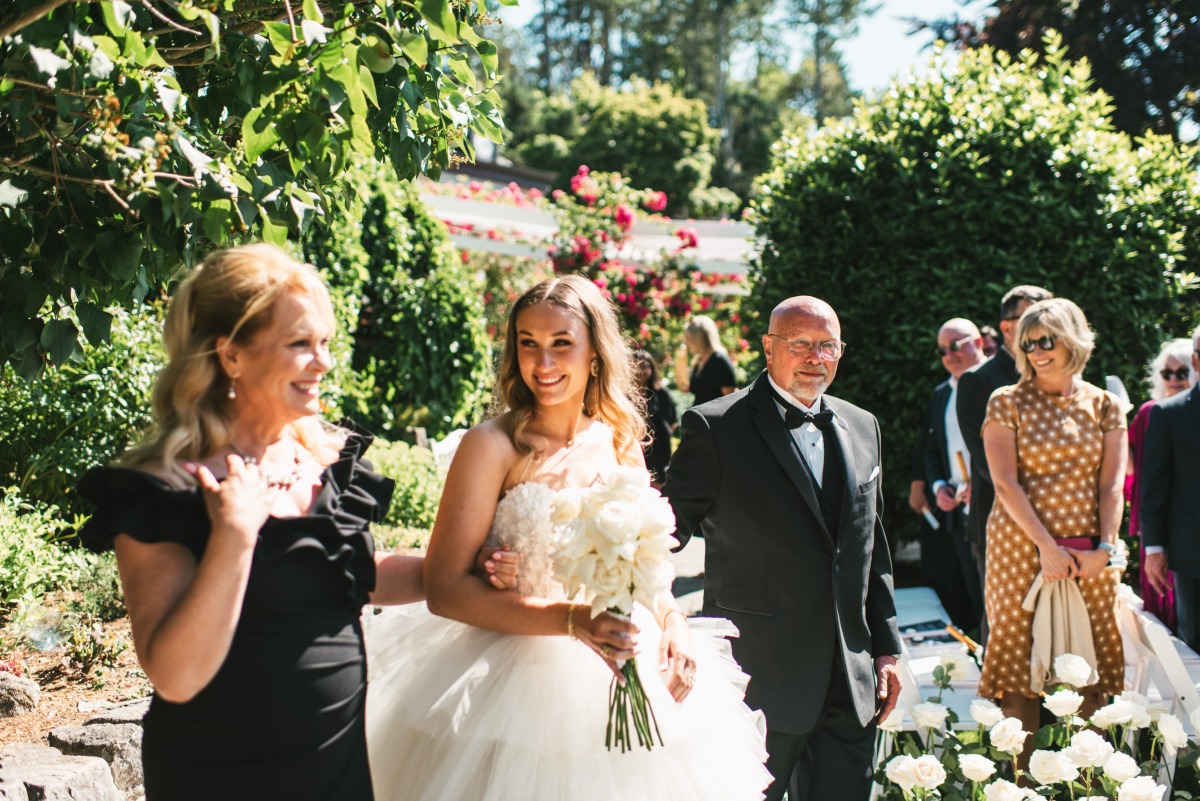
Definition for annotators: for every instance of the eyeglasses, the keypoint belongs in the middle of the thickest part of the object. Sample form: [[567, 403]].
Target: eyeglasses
[[829, 350], [954, 347], [1181, 374], [1045, 343]]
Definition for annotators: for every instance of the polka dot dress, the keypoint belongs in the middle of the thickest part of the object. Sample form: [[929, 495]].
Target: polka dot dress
[[1060, 442]]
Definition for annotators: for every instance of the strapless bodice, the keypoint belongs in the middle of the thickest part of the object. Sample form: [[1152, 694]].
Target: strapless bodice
[[522, 523]]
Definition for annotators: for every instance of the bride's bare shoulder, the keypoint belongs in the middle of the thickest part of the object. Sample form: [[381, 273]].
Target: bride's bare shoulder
[[488, 445]]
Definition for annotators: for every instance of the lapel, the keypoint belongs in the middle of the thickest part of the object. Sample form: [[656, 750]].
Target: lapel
[[841, 436], [783, 447], [1193, 403]]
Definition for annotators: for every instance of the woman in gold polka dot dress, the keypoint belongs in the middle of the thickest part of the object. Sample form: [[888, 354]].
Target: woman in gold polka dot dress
[[1056, 448]]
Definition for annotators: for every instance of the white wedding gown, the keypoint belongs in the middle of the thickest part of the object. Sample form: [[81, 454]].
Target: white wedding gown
[[457, 713]]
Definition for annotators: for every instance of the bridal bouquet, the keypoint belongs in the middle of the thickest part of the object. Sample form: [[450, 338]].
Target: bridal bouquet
[[612, 544]]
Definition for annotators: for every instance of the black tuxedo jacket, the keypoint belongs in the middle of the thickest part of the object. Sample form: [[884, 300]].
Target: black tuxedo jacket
[[974, 390], [1169, 507], [937, 461], [801, 595]]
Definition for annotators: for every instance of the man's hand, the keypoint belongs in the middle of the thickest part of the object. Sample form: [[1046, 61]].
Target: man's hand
[[945, 498], [1156, 568], [916, 497], [887, 686]]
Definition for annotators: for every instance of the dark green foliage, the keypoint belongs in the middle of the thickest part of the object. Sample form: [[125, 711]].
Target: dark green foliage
[[82, 415], [418, 487], [420, 352], [949, 190]]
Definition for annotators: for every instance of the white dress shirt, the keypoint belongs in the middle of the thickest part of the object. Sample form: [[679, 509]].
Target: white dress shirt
[[809, 439]]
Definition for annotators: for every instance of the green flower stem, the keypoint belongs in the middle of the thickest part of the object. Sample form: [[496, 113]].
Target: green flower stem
[[629, 701]]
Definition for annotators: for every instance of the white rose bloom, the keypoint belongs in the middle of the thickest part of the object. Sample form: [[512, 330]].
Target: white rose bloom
[[928, 772], [1008, 736], [900, 773], [1143, 788], [1063, 703], [1171, 730], [975, 767], [1001, 790], [1135, 698], [930, 714], [985, 713], [1121, 767], [894, 721], [954, 663], [1088, 750], [1051, 767], [1119, 713], [1074, 670]]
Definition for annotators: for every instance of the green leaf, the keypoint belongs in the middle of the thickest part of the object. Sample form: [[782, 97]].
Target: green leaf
[[313, 11], [116, 18], [443, 26], [367, 81], [120, 253], [259, 134], [96, 322], [217, 225], [280, 35], [416, 47], [60, 338], [462, 70], [273, 232], [376, 55]]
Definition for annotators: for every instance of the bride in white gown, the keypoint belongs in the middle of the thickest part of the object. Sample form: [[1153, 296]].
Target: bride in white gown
[[489, 698]]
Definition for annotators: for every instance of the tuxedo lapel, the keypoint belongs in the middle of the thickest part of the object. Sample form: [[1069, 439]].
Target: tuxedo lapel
[[1193, 404], [841, 440], [779, 441]]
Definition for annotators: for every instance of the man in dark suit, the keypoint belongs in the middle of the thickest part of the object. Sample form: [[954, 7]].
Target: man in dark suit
[[947, 468], [783, 481], [974, 390], [1169, 509]]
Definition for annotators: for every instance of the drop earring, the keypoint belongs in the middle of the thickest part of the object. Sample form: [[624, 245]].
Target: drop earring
[[232, 394]]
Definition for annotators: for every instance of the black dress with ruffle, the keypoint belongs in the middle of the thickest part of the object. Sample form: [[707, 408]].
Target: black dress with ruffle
[[284, 716]]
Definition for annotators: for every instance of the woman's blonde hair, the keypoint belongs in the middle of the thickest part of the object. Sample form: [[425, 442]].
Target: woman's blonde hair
[[231, 294], [702, 328], [1063, 320], [1178, 349], [611, 393]]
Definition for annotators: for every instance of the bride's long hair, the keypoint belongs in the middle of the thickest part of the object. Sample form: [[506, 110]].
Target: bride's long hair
[[611, 395]]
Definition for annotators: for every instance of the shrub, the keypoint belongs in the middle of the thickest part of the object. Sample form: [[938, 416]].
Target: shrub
[[418, 487], [32, 563], [713, 202], [420, 353], [951, 188], [81, 415]]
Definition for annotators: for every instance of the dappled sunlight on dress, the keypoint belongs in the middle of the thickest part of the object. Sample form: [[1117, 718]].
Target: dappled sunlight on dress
[[1060, 443]]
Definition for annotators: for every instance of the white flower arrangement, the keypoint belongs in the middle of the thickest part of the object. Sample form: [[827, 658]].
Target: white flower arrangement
[[612, 545], [1070, 761]]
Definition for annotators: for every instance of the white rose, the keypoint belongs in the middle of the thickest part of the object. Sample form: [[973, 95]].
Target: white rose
[[1172, 733], [1001, 790], [1051, 767], [894, 721], [1063, 703], [1074, 670], [975, 767], [985, 713], [1088, 750], [1121, 767], [928, 772], [900, 772], [1008, 736], [1135, 698], [954, 665], [929, 714], [1119, 713], [1143, 788]]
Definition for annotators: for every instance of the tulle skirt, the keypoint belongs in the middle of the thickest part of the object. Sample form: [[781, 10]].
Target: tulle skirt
[[456, 713]]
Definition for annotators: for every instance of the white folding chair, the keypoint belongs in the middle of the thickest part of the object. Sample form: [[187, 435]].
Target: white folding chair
[[1168, 672]]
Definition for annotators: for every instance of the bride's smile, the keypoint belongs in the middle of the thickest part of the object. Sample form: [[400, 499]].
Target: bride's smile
[[554, 354]]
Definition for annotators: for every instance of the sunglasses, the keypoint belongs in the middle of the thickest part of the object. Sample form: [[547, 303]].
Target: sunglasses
[[954, 347], [1045, 343], [1182, 374]]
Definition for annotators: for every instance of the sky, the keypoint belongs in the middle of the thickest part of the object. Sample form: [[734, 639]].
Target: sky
[[881, 48]]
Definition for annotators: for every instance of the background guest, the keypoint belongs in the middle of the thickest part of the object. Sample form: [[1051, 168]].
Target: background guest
[[1170, 373], [1169, 505], [974, 389], [661, 417], [710, 374], [1056, 447], [991, 340]]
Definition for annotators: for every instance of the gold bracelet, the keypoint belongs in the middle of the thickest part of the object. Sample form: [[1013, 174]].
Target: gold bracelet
[[667, 617], [571, 621]]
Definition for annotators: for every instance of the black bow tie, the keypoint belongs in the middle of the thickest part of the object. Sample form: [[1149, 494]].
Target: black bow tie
[[794, 418]]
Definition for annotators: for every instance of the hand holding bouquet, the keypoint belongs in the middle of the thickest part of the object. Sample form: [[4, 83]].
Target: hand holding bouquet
[[612, 545]]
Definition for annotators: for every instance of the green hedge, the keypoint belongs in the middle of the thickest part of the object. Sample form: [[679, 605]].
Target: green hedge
[[980, 175], [419, 352]]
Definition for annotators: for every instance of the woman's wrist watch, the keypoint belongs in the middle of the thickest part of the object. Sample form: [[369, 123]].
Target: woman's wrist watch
[[1109, 547]]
